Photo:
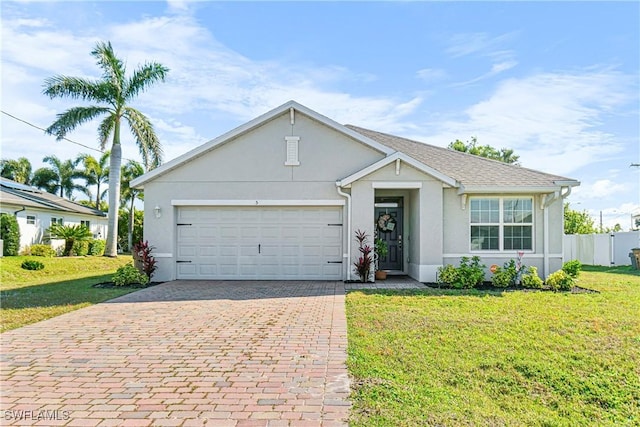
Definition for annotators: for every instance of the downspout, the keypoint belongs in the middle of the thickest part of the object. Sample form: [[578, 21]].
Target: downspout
[[348, 197], [19, 210]]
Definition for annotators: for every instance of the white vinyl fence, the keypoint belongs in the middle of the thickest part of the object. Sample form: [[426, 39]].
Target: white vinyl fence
[[601, 249]]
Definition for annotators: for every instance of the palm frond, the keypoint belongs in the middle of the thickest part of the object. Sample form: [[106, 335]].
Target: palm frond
[[113, 68], [104, 131], [143, 77], [72, 118], [78, 88], [146, 138]]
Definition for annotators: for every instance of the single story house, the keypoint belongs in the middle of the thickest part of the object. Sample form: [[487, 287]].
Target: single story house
[[36, 210], [281, 197]]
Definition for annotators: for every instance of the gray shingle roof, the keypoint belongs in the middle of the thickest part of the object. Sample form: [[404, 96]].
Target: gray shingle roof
[[468, 169], [21, 195]]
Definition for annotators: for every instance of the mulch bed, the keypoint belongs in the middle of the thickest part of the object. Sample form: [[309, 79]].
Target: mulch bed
[[108, 285], [487, 286]]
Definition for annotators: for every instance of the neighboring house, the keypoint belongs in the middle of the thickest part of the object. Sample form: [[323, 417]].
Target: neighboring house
[[281, 196], [36, 210]]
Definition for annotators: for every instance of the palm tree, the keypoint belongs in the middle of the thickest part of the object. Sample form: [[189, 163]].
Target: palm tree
[[112, 93], [59, 178], [70, 234], [16, 170], [130, 171], [95, 172]]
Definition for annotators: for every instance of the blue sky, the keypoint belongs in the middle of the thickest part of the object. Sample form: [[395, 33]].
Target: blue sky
[[558, 82]]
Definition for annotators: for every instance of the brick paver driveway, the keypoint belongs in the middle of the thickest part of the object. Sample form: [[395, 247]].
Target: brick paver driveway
[[182, 354]]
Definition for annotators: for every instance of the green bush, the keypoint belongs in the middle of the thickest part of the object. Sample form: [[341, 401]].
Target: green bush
[[40, 250], [559, 280], [10, 235], [81, 247], [572, 268], [447, 275], [470, 273], [502, 278], [531, 279], [96, 247], [129, 275], [32, 264]]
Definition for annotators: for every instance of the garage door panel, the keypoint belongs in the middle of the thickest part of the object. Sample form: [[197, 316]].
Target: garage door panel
[[295, 243]]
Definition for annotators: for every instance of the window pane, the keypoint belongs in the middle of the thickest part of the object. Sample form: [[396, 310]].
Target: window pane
[[518, 211], [518, 237], [485, 237], [485, 211]]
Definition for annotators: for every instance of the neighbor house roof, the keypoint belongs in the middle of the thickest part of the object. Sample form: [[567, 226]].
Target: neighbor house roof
[[472, 172], [14, 193]]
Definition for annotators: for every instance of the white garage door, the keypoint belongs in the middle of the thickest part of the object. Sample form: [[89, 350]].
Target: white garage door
[[259, 243]]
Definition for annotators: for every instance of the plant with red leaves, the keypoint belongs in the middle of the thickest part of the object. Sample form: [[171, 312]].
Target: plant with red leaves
[[143, 259], [363, 265]]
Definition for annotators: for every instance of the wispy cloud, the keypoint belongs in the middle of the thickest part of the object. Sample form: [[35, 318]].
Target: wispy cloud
[[431, 74]]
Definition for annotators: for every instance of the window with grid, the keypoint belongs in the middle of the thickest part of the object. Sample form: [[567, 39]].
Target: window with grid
[[31, 219], [86, 224], [55, 220], [499, 224]]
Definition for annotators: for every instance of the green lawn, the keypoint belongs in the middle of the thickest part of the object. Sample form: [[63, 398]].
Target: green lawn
[[440, 357], [65, 284]]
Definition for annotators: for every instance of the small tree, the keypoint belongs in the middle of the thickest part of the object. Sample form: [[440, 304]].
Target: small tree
[[10, 235], [576, 222], [70, 234]]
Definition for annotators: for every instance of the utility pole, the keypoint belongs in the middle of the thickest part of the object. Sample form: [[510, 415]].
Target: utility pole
[[601, 221]]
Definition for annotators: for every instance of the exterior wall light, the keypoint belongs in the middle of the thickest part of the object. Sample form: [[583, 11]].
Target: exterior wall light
[[157, 211]]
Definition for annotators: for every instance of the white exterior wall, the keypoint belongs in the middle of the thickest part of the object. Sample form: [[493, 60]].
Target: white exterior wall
[[31, 234]]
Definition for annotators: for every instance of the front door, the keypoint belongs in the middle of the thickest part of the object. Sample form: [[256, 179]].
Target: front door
[[389, 228]]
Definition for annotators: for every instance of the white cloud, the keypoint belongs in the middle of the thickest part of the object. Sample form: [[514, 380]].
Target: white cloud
[[600, 189], [431, 74]]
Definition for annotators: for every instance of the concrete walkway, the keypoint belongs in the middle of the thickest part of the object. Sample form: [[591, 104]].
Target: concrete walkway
[[185, 354]]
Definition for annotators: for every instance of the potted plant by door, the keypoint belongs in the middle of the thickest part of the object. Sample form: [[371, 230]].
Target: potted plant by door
[[381, 250]]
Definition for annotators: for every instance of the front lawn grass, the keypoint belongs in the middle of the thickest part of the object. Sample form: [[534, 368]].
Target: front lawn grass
[[446, 357], [65, 284]]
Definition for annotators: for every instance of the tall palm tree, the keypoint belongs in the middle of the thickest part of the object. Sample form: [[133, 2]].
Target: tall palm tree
[[59, 178], [16, 170], [112, 93], [131, 170], [95, 172]]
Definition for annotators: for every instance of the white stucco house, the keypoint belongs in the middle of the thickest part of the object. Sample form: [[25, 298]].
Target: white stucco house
[[281, 196], [36, 210]]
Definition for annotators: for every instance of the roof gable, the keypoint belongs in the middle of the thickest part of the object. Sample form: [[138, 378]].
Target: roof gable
[[290, 106]]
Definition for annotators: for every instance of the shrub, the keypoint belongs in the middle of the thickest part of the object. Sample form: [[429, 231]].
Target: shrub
[[129, 275], [363, 264], [531, 279], [447, 275], [10, 235], [559, 280], [40, 250], [32, 264], [70, 234], [96, 247], [142, 256], [572, 268], [502, 278], [470, 272], [81, 247]]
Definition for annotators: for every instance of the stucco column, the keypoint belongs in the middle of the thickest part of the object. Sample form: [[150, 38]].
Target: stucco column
[[362, 199]]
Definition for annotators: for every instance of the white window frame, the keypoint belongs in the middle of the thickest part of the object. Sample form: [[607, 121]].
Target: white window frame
[[56, 220], [86, 223], [292, 151], [31, 218], [501, 224]]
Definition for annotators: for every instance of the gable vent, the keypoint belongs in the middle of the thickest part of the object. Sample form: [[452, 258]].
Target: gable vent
[[292, 151]]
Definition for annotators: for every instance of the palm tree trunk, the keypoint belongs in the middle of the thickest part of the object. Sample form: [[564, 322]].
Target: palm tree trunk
[[132, 215], [115, 160], [98, 195]]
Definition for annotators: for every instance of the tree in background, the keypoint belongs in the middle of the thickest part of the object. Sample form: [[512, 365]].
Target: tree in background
[[10, 235], [16, 170], [112, 94], [59, 177], [71, 234], [576, 222], [95, 172], [505, 155], [130, 171]]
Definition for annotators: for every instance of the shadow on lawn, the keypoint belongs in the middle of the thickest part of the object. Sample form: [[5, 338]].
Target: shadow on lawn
[[626, 270], [436, 292], [67, 292]]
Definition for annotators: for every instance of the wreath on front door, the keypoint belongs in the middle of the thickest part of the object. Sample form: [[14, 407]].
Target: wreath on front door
[[386, 222]]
